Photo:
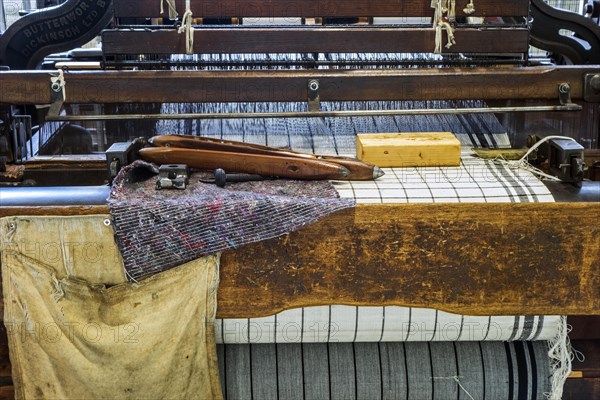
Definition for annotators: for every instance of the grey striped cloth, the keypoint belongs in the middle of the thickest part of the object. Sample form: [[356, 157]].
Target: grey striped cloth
[[419, 371]]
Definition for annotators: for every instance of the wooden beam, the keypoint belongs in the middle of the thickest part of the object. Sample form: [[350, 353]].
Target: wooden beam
[[313, 40], [315, 8], [58, 211], [492, 259], [494, 83]]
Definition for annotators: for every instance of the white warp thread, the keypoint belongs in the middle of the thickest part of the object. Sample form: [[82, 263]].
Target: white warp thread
[[561, 357], [173, 14]]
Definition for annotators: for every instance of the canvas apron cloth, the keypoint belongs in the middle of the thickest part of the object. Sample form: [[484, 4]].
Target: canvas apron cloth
[[71, 335]]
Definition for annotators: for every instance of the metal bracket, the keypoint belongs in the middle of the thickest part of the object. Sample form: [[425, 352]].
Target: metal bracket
[[591, 89], [314, 100], [172, 176], [57, 96], [121, 154], [564, 94]]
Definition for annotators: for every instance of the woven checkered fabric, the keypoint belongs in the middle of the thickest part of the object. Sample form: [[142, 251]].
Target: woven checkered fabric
[[474, 181]]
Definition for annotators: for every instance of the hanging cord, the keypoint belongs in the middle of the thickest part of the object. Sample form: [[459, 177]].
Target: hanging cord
[[440, 23], [523, 162], [186, 27], [451, 10], [470, 8], [450, 33], [173, 14]]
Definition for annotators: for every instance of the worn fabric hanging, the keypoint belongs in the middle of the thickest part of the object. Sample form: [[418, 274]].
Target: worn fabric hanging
[[71, 339]]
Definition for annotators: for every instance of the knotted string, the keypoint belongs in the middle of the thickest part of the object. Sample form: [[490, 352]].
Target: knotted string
[[440, 24], [470, 8], [186, 27]]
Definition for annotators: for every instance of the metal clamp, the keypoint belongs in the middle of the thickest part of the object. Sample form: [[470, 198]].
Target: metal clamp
[[314, 100], [591, 89], [121, 154], [172, 176]]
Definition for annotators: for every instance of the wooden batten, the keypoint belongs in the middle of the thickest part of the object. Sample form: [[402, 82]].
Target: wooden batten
[[483, 259], [313, 39], [33, 87], [315, 8]]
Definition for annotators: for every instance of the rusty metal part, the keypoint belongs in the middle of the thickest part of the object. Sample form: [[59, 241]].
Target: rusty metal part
[[12, 173]]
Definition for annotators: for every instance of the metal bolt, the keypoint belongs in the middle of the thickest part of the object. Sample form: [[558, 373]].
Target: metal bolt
[[595, 83], [564, 88], [313, 85]]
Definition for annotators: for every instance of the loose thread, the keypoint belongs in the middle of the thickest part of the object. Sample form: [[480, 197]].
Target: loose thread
[[561, 358], [173, 14], [523, 162], [456, 379]]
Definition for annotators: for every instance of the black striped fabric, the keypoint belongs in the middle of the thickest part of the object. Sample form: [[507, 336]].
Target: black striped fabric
[[417, 370]]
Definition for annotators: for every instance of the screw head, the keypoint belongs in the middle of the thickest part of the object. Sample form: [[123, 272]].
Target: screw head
[[313, 85]]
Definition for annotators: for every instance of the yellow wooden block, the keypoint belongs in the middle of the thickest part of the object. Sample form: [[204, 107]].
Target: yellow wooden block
[[428, 149]]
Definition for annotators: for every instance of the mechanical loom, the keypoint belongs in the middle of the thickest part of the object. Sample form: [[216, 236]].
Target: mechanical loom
[[425, 282]]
